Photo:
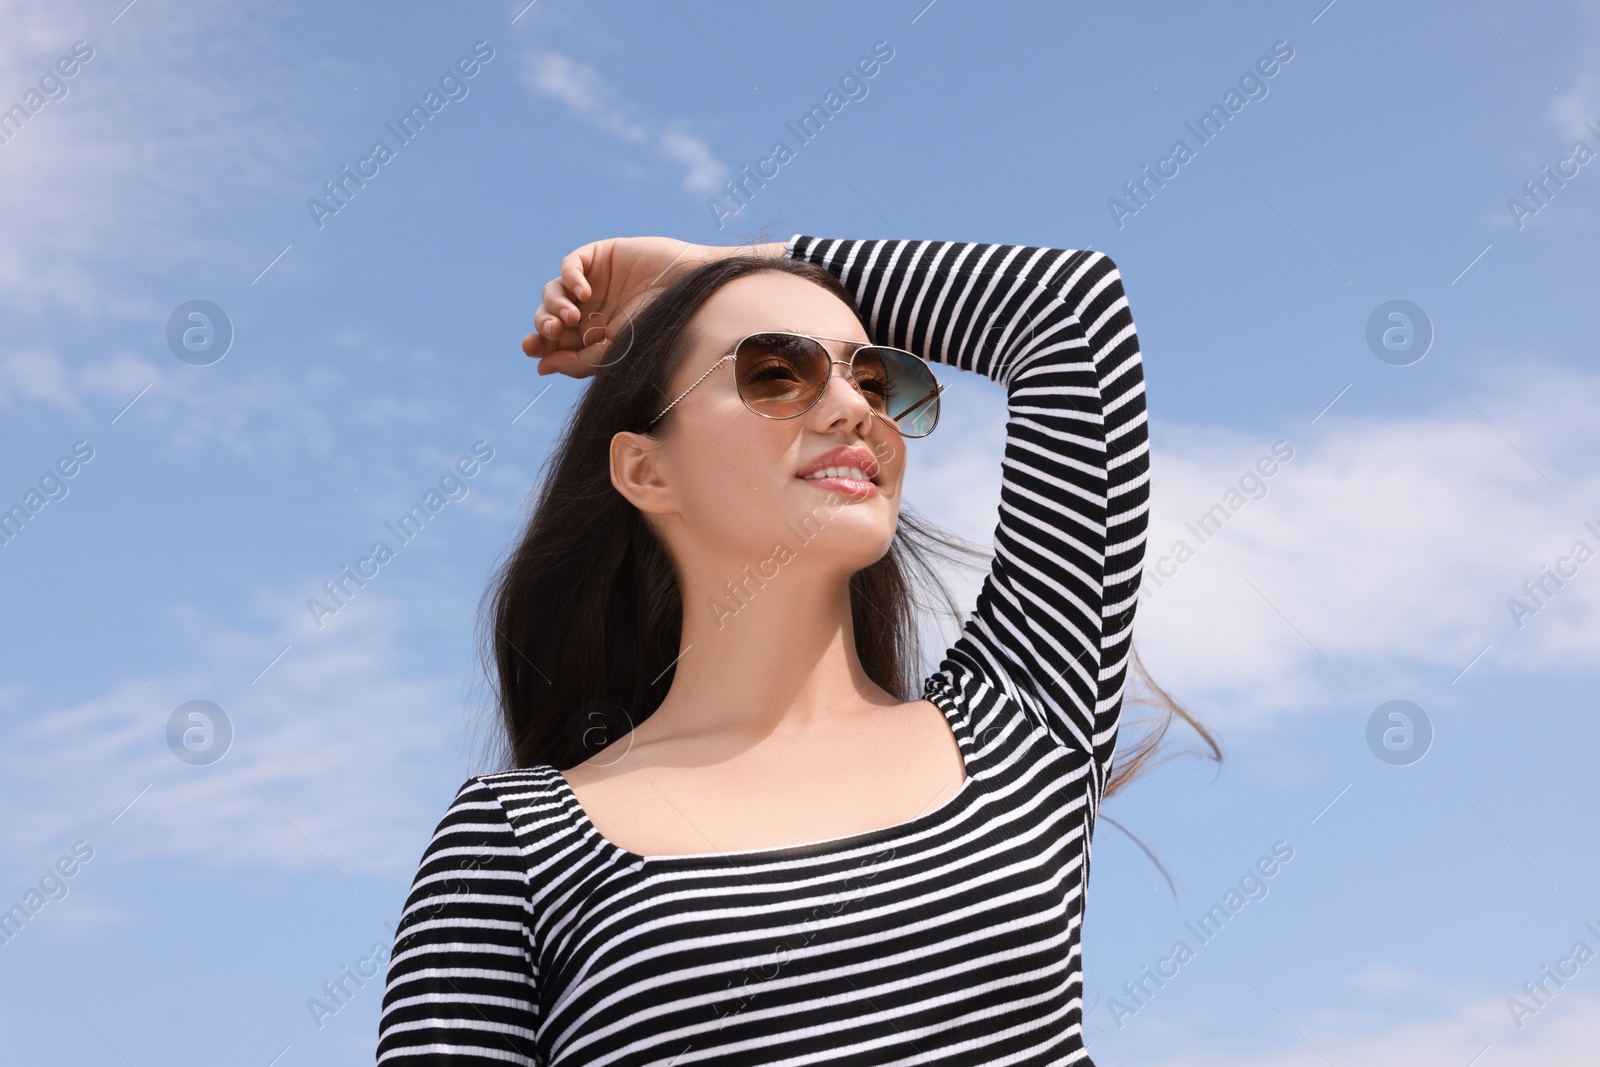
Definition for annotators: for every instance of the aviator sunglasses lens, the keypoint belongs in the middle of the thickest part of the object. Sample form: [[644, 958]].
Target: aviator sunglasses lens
[[780, 375], [909, 394]]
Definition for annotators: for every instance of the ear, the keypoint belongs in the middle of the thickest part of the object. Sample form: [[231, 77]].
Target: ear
[[637, 472]]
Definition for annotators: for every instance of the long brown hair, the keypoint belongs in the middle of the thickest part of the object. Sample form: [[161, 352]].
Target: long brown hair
[[584, 617]]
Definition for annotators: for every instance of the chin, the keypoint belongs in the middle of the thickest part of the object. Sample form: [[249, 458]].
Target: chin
[[857, 541]]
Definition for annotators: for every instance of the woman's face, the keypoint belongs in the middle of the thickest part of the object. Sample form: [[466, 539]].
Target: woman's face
[[729, 483]]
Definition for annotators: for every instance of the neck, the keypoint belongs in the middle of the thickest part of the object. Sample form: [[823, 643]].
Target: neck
[[767, 649]]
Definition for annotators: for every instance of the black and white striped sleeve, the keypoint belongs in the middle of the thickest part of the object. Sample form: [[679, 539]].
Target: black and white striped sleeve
[[461, 988], [1054, 619]]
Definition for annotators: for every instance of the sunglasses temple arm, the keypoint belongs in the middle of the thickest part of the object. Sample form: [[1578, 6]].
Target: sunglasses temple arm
[[919, 403]]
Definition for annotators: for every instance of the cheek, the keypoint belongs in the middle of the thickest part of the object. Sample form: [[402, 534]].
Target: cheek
[[891, 455], [731, 479]]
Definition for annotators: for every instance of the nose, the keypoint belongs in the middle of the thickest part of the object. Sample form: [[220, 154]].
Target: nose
[[847, 404]]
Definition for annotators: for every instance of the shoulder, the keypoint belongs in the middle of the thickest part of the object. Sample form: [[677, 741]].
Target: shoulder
[[518, 793], [532, 803]]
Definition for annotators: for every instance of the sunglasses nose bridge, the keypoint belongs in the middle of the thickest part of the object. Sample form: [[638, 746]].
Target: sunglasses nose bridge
[[848, 374]]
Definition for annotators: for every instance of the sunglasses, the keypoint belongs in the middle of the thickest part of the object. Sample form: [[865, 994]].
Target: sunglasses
[[781, 375]]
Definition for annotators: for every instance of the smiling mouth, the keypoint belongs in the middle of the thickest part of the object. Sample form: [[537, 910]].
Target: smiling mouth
[[851, 481], [852, 473]]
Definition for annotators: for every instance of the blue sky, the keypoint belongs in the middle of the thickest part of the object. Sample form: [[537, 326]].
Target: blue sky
[[376, 345]]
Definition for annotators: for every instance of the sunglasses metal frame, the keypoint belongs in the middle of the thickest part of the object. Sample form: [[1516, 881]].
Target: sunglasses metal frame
[[734, 355]]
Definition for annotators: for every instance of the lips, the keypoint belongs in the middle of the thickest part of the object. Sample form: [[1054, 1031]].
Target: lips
[[845, 461]]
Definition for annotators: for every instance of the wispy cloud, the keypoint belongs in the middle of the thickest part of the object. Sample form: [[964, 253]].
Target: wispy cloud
[[334, 763], [591, 98], [1579, 101], [268, 417], [35, 376], [140, 170]]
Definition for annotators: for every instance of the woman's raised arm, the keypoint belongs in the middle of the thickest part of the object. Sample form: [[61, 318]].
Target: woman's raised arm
[[1054, 619]]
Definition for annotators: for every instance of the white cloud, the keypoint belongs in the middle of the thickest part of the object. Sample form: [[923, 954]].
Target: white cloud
[[1390, 543], [390, 442], [153, 157], [335, 750], [589, 96], [584, 91], [38, 377], [1570, 108], [91, 914], [704, 172]]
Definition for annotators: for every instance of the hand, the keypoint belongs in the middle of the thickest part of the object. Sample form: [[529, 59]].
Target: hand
[[599, 286]]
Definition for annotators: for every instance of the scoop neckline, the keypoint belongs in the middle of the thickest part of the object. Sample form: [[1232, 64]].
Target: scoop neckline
[[803, 850]]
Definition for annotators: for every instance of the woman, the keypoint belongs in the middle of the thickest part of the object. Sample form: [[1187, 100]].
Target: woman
[[734, 834]]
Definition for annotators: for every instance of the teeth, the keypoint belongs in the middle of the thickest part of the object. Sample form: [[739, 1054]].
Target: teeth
[[854, 473]]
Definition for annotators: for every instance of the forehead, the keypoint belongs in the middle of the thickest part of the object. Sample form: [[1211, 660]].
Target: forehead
[[770, 300]]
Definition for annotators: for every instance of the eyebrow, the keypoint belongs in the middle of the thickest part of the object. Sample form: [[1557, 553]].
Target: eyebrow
[[734, 344]]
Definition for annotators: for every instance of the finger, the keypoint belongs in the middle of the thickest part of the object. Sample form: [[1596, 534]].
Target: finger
[[533, 345], [557, 300], [561, 339], [574, 271], [573, 365], [549, 363], [557, 310], [564, 363], [554, 326]]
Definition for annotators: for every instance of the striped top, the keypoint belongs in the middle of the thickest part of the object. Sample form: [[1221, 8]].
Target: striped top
[[529, 938]]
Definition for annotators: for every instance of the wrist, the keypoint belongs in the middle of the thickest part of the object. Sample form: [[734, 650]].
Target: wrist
[[769, 250]]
